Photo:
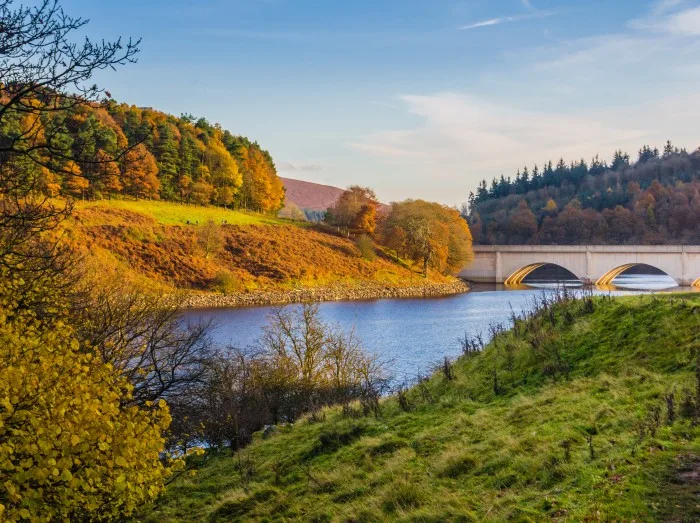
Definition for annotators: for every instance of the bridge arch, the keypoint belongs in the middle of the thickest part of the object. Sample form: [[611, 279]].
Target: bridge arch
[[518, 276], [606, 280]]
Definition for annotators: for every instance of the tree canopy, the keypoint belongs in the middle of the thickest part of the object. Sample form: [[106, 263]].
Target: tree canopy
[[654, 200], [428, 233]]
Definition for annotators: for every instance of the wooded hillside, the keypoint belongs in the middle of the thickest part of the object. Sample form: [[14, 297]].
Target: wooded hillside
[[654, 200], [107, 149]]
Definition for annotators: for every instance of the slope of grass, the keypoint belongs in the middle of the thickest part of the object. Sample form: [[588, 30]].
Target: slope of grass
[[152, 240], [170, 213], [578, 430]]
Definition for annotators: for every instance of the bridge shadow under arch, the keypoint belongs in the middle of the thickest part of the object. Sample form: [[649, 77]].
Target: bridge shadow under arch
[[542, 273], [654, 278]]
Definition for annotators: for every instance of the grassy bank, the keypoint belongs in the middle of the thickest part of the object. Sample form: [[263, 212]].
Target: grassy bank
[[565, 418], [162, 242]]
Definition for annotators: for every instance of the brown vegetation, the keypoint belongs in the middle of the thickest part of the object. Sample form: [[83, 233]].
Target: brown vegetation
[[253, 257]]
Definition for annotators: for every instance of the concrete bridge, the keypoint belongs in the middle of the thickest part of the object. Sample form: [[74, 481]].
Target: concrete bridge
[[592, 264]]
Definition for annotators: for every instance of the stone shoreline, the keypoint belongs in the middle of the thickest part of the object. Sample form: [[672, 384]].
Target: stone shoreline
[[366, 291]]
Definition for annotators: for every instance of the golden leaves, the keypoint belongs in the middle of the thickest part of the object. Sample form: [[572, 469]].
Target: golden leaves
[[66, 444]]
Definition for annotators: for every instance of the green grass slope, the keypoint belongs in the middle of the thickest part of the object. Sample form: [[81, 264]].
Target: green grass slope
[[171, 213], [563, 418]]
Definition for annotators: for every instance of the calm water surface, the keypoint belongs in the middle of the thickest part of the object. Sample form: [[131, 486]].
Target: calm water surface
[[410, 335]]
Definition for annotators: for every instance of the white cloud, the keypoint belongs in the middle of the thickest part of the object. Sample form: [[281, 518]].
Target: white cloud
[[504, 20], [685, 23], [674, 17], [461, 133]]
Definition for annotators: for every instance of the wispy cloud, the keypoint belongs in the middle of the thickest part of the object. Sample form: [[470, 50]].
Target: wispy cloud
[[462, 132], [504, 20], [674, 17]]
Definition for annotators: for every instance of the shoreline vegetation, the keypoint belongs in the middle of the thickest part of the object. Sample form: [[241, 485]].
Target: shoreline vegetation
[[364, 291]]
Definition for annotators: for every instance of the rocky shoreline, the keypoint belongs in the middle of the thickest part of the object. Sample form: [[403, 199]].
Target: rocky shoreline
[[367, 291]]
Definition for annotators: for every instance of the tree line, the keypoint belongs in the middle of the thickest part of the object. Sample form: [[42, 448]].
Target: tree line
[[103, 148], [654, 200]]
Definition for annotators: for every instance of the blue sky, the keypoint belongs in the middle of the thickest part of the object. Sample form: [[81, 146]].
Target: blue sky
[[416, 98]]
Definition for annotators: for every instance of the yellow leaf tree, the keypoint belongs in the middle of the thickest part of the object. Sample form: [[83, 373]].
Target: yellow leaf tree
[[69, 449]]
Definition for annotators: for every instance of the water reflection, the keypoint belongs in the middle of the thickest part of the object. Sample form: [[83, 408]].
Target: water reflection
[[644, 277], [638, 277]]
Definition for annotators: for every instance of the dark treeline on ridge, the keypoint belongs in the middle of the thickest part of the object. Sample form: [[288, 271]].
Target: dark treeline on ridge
[[654, 200]]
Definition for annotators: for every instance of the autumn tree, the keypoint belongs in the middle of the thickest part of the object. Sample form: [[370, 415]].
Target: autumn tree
[[430, 234], [262, 189], [69, 449], [222, 172], [355, 210], [292, 211], [523, 224], [654, 193], [210, 238], [139, 173]]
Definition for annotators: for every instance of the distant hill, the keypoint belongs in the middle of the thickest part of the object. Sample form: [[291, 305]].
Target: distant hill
[[311, 196]]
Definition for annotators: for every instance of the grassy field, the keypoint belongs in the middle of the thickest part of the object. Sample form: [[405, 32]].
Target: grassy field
[[169, 213], [564, 419]]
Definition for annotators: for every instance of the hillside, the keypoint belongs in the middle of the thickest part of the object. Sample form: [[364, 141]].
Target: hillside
[[197, 248], [565, 418], [309, 195], [654, 200]]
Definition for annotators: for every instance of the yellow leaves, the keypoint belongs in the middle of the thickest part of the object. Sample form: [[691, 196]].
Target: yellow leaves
[[68, 449]]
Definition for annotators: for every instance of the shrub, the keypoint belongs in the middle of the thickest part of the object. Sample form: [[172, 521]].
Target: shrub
[[226, 283], [366, 247], [69, 449]]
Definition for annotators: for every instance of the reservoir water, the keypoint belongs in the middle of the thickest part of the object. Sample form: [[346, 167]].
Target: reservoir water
[[413, 335]]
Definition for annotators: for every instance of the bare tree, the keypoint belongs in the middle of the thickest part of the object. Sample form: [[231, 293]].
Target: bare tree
[[301, 365], [142, 335]]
